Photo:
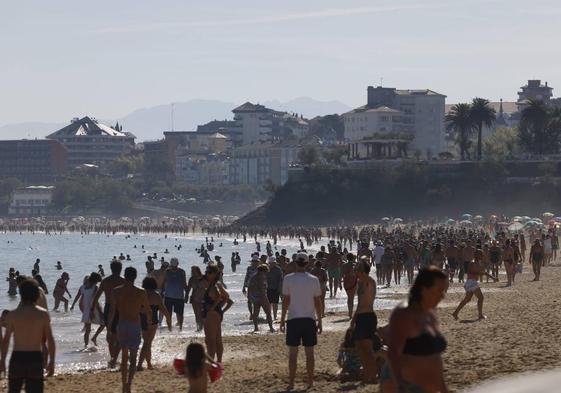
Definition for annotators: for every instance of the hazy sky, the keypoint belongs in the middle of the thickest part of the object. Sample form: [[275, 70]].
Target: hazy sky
[[59, 59]]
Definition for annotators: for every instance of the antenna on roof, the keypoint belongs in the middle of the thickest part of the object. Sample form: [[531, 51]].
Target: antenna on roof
[[381, 81], [172, 119]]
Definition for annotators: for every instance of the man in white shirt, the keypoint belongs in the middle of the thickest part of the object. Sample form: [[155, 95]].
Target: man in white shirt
[[302, 300]]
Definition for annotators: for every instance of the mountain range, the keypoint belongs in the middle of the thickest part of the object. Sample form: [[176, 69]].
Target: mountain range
[[150, 123]]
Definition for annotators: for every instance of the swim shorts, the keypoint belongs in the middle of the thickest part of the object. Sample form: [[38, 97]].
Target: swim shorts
[[301, 331], [129, 335], [365, 326]]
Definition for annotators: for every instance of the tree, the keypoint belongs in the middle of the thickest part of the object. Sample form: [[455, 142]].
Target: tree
[[460, 121], [335, 154], [308, 155], [540, 129], [503, 143], [327, 127], [482, 114]]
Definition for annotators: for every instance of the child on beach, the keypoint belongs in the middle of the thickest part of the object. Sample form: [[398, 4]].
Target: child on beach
[[348, 359], [197, 366]]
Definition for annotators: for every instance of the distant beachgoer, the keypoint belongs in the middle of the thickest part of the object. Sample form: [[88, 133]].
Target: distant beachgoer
[[257, 294], [364, 321], [149, 265], [216, 301], [195, 288], [129, 303], [274, 284], [302, 302], [58, 265], [31, 327], [508, 259], [321, 274], [250, 272], [350, 282], [333, 264], [175, 288], [86, 295], [108, 284], [471, 286], [12, 283], [415, 342], [537, 254], [150, 325], [36, 266], [61, 288], [37, 277]]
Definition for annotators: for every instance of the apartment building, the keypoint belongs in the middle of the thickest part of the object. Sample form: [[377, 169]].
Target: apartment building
[[31, 201], [33, 160]]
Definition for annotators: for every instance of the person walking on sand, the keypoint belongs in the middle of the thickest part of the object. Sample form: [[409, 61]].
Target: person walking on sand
[[108, 284], [257, 293], [536, 258], [350, 281], [175, 290], [302, 303], [475, 270], [31, 327], [364, 322], [61, 288], [129, 303]]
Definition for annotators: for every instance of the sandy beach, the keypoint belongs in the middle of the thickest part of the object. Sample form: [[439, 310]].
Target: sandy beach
[[521, 334]]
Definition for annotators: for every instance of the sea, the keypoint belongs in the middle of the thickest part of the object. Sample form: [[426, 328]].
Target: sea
[[81, 254]]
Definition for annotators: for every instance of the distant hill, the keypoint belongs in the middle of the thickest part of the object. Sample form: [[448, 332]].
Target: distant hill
[[150, 123]]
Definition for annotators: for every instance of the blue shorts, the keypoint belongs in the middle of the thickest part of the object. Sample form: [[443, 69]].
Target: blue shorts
[[129, 335]]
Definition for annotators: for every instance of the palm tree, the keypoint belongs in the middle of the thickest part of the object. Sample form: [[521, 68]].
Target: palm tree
[[534, 124], [460, 121], [482, 115]]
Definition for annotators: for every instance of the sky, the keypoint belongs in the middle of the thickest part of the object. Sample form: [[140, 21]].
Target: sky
[[59, 59]]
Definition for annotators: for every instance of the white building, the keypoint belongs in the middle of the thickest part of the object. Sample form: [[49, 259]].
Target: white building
[[259, 124], [258, 164], [417, 113], [31, 201]]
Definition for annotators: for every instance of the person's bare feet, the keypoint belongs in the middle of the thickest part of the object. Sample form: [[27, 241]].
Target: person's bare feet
[[481, 317], [455, 315]]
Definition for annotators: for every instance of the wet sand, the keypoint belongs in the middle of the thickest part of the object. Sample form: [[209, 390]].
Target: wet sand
[[522, 333]]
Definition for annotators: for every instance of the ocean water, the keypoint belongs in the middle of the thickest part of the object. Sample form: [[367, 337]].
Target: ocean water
[[81, 254]]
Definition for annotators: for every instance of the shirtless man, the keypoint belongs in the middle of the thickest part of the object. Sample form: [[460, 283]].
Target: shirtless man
[[129, 302], [333, 264], [350, 282], [537, 254], [106, 287], [364, 322], [61, 288], [467, 257], [160, 276], [31, 327], [474, 271], [452, 255]]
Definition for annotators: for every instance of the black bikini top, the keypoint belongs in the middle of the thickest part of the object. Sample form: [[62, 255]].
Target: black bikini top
[[425, 345]]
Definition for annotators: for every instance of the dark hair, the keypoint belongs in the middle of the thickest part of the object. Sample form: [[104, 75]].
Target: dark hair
[[116, 267], [94, 278], [349, 340], [196, 269], [318, 263], [364, 265], [194, 360], [150, 283], [425, 279], [130, 273], [29, 291], [263, 268], [212, 268]]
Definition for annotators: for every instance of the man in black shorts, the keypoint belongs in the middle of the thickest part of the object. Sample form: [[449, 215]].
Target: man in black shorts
[[274, 284], [364, 322], [302, 301]]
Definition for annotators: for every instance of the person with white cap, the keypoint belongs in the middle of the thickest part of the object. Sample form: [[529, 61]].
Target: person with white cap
[[175, 289], [302, 302]]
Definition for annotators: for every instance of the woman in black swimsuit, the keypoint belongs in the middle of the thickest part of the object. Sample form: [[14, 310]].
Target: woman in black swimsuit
[[415, 342], [150, 326], [216, 302]]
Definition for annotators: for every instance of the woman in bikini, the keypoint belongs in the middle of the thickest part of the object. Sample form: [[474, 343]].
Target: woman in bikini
[[415, 342], [216, 302], [150, 326], [197, 291]]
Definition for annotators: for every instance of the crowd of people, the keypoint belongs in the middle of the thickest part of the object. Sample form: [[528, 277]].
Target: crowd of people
[[404, 356]]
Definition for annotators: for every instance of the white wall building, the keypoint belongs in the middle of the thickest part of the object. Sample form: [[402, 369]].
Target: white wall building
[[419, 113], [31, 201]]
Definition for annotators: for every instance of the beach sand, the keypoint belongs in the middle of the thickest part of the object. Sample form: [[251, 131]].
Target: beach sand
[[522, 333]]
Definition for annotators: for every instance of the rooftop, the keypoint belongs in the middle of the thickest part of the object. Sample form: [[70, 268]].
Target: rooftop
[[88, 126], [379, 109], [249, 107]]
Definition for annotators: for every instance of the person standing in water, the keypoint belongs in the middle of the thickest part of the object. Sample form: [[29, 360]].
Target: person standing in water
[[129, 303], [176, 290], [108, 284], [61, 288], [31, 327]]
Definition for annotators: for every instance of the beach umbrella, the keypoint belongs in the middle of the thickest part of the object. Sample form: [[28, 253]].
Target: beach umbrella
[[466, 216], [450, 221], [537, 220], [516, 218], [548, 214], [478, 217], [465, 222], [515, 226], [385, 218], [532, 223], [397, 220], [526, 218], [493, 217]]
